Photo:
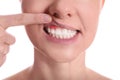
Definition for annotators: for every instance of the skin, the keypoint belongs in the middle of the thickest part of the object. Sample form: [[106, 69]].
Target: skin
[[7, 21], [62, 61]]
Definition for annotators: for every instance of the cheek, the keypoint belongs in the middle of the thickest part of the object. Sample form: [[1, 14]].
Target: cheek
[[33, 6], [89, 17], [89, 14], [34, 33], [90, 26]]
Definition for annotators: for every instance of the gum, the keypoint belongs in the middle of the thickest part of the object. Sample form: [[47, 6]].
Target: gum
[[53, 27]]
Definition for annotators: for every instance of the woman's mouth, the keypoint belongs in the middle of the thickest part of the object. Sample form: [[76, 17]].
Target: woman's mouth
[[59, 31]]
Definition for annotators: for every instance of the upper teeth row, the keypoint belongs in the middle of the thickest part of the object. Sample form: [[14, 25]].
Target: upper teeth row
[[61, 33]]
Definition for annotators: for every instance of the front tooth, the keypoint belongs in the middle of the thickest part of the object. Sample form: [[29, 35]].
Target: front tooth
[[65, 36], [69, 31], [64, 31], [71, 35], [58, 31], [52, 31], [53, 35], [61, 36], [57, 36], [68, 36]]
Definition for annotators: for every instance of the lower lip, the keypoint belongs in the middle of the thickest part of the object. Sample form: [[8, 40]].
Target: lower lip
[[62, 41]]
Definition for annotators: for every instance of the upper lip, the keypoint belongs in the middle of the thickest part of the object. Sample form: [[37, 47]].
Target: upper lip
[[54, 23]]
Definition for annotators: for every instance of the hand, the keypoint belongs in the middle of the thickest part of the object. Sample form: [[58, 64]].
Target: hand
[[13, 20]]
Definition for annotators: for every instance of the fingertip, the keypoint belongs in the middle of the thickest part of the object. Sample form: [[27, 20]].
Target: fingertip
[[47, 18]]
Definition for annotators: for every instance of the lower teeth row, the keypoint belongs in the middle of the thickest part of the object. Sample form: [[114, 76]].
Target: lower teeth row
[[61, 36]]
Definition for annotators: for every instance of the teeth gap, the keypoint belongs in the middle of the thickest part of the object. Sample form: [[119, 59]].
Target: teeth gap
[[45, 29], [78, 31]]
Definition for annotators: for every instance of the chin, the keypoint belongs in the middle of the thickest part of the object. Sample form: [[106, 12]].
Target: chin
[[62, 56]]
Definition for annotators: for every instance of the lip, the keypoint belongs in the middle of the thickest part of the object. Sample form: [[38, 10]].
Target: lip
[[61, 41], [54, 23]]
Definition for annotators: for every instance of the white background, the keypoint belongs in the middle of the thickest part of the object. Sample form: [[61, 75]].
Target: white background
[[103, 56]]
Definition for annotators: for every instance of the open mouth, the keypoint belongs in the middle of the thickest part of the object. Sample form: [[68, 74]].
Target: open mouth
[[60, 32]]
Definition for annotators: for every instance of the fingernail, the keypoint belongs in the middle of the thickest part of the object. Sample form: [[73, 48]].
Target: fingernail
[[47, 18]]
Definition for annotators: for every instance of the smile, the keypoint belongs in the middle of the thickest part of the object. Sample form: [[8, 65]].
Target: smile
[[59, 32]]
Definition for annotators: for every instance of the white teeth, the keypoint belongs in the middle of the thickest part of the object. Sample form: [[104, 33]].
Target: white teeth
[[61, 33]]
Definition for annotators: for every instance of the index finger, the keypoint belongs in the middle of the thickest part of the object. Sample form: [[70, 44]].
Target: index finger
[[23, 19]]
